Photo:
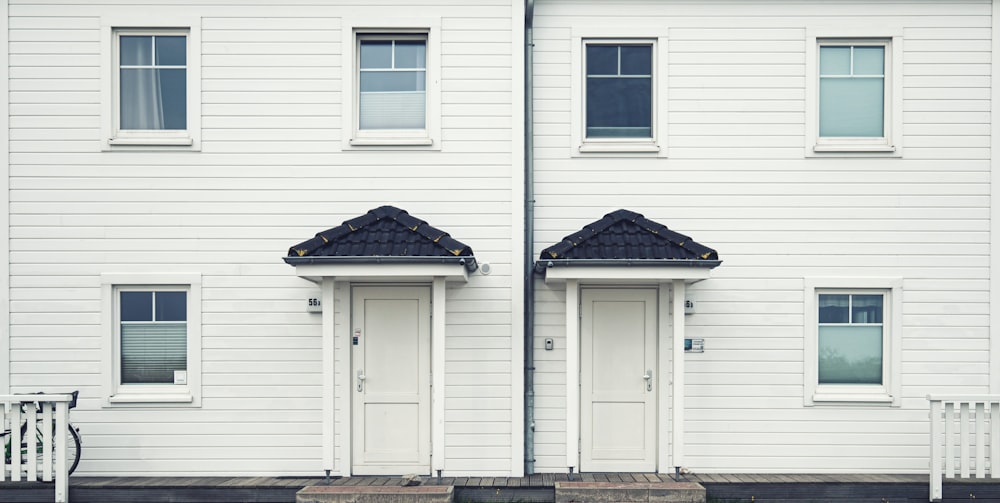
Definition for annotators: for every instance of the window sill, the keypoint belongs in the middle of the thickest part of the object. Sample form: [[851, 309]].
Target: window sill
[[391, 142], [620, 148], [151, 398], [864, 398], [853, 149], [152, 142]]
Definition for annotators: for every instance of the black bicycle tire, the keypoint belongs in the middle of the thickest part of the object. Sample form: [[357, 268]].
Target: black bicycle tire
[[77, 447]]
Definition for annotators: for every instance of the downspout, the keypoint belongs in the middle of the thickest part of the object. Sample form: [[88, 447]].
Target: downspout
[[529, 243]]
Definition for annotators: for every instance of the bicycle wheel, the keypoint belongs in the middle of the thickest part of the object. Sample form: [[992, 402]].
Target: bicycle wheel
[[73, 448], [73, 445]]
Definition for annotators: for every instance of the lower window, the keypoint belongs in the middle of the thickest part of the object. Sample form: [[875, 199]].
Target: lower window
[[153, 338], [852, 345], [850, 338]]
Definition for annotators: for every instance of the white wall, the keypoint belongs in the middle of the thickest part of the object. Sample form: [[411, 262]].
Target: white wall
[[272, 170], [735, 177]]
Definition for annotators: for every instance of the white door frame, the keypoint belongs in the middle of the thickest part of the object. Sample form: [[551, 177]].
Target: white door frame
[[337, 390], [670, 401], [360, 294], [334, 280], [637, 392]]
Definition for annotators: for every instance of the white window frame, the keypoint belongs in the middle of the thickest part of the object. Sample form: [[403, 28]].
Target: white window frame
[[428, 138], [653, 146], [114, 393], [890, 144], [889, 392], [112, 136]]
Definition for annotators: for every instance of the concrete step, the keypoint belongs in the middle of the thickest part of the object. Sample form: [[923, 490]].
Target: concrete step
[[375, 494], [629, 492]]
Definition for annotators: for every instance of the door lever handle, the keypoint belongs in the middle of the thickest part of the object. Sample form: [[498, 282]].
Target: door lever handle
[[361, 380], [648, 376]]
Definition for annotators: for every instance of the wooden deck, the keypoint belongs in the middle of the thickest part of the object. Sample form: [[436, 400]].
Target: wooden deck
[[723, 488]]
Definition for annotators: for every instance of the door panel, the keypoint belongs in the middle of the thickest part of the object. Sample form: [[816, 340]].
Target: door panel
[[391, 380], [618, 401]]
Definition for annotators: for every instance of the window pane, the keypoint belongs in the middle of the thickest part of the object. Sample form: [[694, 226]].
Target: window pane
[[136, 306], [384, 82], [397, 110], [637, 60], [171, 306], [602, 59], [410, 54], [171, 51], [153, 99], [376, 54], [619, 107], [833, 309], [152, 352], [850, 355], [136, 50], [869, 60], [834, 60], [173, 92], [851, 107], [866, 309]]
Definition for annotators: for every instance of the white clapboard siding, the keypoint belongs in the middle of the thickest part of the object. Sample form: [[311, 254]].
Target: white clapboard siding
[[272, 171], [735, 179]]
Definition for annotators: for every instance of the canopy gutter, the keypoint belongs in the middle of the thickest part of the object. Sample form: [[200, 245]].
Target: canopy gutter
[[543, 265], [648, 271], [316, 268], [468, 262]]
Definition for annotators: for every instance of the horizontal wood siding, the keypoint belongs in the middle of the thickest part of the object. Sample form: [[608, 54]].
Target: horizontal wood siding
[[736, 179], [272, 171]]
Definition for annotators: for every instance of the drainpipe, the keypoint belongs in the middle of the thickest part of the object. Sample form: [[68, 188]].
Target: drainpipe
[[529, 243]]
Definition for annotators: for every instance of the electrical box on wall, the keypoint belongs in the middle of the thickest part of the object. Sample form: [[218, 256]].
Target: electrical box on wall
[[694, 345]]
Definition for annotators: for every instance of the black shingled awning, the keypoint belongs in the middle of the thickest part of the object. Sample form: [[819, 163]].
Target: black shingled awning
[[383, 235], [624, 237]]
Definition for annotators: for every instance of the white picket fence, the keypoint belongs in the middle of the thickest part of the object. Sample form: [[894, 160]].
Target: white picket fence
[[970, 427], [45, 456]]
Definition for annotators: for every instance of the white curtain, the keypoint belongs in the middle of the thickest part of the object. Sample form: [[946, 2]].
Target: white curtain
[[141, 99]]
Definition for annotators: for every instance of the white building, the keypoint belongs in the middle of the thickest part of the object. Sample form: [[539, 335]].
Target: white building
[[830, 162]]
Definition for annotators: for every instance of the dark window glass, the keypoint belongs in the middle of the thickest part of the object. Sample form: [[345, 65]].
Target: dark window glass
[[833, 309], [602, 59], [137, 306], [171, 306], [619, 91], [637, 60], [866, 309], [171, 51]]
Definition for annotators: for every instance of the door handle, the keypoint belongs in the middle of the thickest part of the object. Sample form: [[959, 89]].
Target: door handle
[[361, 380], [648, 376]]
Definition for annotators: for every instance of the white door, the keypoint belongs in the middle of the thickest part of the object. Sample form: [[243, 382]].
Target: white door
[[391, 379], [618, 381]]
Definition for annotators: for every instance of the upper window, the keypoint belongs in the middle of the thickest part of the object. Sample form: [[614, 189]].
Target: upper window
[[391, 88], [852, 91], [392, 83], [619, 85], [852, 342], [853, 101], [153, 338], [152, 87], [617, 90]]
